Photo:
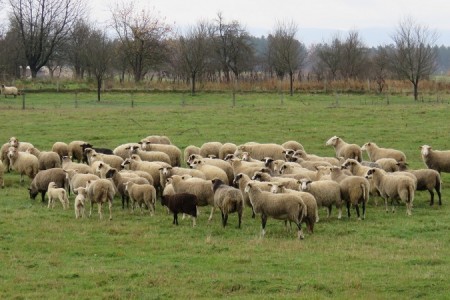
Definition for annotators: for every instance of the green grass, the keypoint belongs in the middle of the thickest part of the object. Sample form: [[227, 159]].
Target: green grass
[[49, 254]]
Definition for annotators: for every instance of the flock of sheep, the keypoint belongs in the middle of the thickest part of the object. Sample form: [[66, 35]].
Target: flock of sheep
[[274, 181]]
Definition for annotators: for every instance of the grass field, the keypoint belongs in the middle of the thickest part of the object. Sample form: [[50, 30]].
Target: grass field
[[47, 254]]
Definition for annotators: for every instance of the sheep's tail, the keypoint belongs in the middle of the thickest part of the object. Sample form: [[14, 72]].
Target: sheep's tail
[[365, 193], [304, 213]]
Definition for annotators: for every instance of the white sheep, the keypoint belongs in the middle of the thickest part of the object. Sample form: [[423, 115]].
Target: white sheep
[[289, 183], [227, 148], [293, 145], [66, 164], [224, 165], [124, 150], [388, 164], [311, 157], [374, 152], [260, 151], [100, 191], [77, 179], [166, 172], [287, 207], [158, 139], [248, 168], [211, 172], [189, 150], [228, 199], [173, 151], [23, 163], [47, 159], [150, 155], [79, 203], [344, 149], [54, 192], [436, 159], [393, 187], [141, 194], [151, 167], [4, 156], [21, 146], [61, 148], [9, 90], [210, 148], [326, 193]]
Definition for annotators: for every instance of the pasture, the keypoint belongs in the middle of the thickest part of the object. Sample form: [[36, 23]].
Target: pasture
[[49, 254]]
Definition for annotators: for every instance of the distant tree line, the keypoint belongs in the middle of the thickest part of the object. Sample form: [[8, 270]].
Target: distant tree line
[[139, 44]]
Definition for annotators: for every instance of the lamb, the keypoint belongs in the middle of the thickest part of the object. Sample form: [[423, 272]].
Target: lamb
[[228, 199], [375, 153], [43, 178], [211, 172], [227, 148], [23, 163], [197, 186], [9, 90], [81, 168], [100, 191], [189, 150], [293, 145], [76, 150], [46, 159], [2, 171], [173, 151], [312, 212], [259, 151], [150, 155], [119, 182], [181, 203], [166, 172], [326, 193], [210, 148], [141, 194], [435, 159], [427, 179], [61, 148], [77, 179], [393, 187], [53, 192], [79, 203], [124, 150], [344, 149], [287, 207], [241, 180]]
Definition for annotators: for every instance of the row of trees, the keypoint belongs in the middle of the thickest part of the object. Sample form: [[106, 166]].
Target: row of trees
[[54, 33]]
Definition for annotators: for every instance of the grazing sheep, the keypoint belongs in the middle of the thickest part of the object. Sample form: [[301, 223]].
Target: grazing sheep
[[241, 180], [210, 171], [124, 150], [53, 192], [197, 186], [46, 159], [9, 90], [259, 151], [23, 163], [2, 171], [375, 153], [66, 164], [344, 149], [387, 164], [210, 148], [43, 178], [100, 191], [435, 159], [150, 155], [76, 150], [228, 199], [293, 145], [79, 203], [166, 172], [61, 148], [141, 194], [326, 193], [120, 179], [312, 212], [227, 148], [287, 207], [427, 179], [77, 179], [189, 150], [173, 151], [181, 203], [393, 187]]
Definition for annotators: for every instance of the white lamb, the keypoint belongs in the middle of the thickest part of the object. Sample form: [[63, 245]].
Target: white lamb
[[54, 192]]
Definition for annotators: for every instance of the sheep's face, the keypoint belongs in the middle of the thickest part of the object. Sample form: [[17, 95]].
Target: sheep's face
[[165, 171], [12, 151], [332, 141], [370, 173], [257, 176], [283, 169], [274, 188], [33, 194], [247, 188], [13, 142], [277, 165], [304, 184], [425, 150]]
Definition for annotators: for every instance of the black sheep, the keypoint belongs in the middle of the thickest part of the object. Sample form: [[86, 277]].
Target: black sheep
[[181, 203]]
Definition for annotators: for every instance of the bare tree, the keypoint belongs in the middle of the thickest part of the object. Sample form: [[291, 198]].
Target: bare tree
[[43, 25], [330, 55], [286, 54], [193, 51], [414, 56], [143, 36], [76, 47], [354, 56], [380, 66]]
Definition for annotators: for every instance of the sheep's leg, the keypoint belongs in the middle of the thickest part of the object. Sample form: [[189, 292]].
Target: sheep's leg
[[357, 211], [300, 234], [123, 202], [263, 224], [364, 210], [90, 210], [393, 205], [329, 211], [317, 215], [43, 196], [49, 202], [439, 196], [432, 197], [386, 204], [224, 222], [348, 208], [110, 210], [100, 210], [175, 219], [239, 219], [194, 221], [212, 212]]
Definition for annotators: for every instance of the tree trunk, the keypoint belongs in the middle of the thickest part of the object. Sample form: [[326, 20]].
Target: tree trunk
[[416, 91], [99, 86], [193, 84], [291, 83]]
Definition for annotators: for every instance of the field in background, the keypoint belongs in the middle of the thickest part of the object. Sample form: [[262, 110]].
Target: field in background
[[49, 254]]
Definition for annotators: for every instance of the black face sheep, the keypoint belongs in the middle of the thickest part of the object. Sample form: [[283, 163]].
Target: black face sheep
[[375, 153], [54, 192], [141, 194], [228, 199], [100, 191], [344, 149], [173, 151], [435, 159], [9, 90], [181, 203], [326, 192], [46, 159], [43, 178], [189, 150], [23, 163], [79, 203], [287, 207], [427, 179], [394, 188]]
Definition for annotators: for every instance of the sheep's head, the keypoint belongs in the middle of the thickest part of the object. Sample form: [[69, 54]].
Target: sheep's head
[[248, 187], [332, 141], [349, 163], [275, 188], [126, 162], [304, 184], [13, 142], [370, 173], [165, 170], [425, 150], [288, 153], [267, 161], [12, 152], [237, 178], [367, 146]]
